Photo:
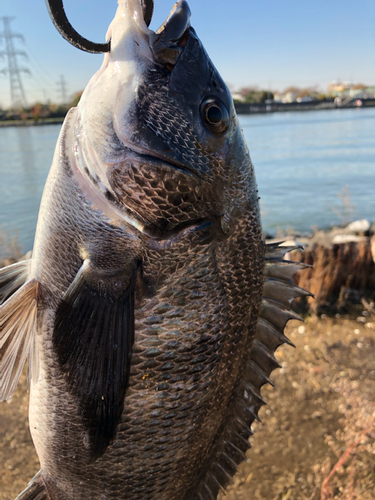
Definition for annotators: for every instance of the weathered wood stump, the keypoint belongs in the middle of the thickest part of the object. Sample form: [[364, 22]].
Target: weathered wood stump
[[342, 273]]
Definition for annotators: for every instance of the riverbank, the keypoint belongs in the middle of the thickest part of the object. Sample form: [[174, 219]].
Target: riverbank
[[241, 109], [316, 440], [323, 403], [276, 107], [31, 123], [342, 268], [340, 273]]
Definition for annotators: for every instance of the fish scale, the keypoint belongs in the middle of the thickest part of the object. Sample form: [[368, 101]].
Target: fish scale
[[162, 202], [242, 309], [142, 384], [151, 307], [160, 116]]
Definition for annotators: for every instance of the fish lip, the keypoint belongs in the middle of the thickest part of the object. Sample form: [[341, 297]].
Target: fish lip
[[166, 43]]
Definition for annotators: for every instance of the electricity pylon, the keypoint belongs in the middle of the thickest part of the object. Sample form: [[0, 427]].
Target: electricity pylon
[[17, 92], [62, 84]]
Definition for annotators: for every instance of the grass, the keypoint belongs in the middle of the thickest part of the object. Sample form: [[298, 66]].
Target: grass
[[353, 444], [346, 210], [10, 247]]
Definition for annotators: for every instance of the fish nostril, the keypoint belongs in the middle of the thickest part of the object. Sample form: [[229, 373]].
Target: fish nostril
[[184, 39], [170, 67]]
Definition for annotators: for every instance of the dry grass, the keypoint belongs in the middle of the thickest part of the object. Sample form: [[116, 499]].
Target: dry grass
[[346, 210], [316, 440], [353, 444], [317, 436], [10, 247]]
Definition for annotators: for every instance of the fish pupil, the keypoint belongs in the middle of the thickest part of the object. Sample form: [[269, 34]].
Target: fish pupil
[[214, 114]]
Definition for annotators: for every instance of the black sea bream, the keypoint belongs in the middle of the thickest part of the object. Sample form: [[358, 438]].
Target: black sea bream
[[151, 307]]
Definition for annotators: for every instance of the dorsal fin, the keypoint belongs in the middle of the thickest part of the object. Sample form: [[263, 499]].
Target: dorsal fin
[[231, 445]]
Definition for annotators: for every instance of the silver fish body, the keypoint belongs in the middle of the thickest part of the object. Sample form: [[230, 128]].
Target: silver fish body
[[139, 309]]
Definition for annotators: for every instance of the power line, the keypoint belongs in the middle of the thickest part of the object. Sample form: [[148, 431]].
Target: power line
[[62, 90], [17, 91], [39, 69]]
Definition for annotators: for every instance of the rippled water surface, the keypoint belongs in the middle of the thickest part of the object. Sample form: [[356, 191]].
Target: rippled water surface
[[25, 158], [303, 161], [306, 161]]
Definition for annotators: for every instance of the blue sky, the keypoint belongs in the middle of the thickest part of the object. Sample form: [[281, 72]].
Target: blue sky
[[266, 43]]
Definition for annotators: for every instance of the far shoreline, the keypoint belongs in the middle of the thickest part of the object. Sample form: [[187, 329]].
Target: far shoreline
[[242, 108], [245, 108], [32, 123]]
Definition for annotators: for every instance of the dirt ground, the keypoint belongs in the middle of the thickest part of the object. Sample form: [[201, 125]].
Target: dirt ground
[[322, 410]]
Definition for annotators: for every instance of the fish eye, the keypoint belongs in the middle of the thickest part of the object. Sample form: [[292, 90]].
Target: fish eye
[[215, 115]]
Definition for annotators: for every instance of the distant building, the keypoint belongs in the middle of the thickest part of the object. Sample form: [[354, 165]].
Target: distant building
[[365, 93], [348, 90], [306, 98], [236, 96], [339, 89], [290, 96]]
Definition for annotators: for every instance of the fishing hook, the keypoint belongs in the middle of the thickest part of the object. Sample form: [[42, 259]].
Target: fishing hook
[[59, 19]]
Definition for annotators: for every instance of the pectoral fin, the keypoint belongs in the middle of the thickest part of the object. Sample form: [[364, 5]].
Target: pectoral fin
[[12, 278], [17, 327], [93, 337], [35, 490]]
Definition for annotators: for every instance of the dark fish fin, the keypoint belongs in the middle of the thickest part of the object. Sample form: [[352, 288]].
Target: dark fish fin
[[93, 337], [12, 278], [231, 443], [17, 332], [35, 490]]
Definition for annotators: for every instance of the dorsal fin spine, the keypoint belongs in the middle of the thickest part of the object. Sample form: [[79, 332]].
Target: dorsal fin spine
[[274, 315]]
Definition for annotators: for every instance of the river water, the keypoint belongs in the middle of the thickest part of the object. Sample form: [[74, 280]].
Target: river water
[[313, 168]]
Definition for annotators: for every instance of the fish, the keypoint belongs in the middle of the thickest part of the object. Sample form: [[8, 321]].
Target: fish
[[151, 308]]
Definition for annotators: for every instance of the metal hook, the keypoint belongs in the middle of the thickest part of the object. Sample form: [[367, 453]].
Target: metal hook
[[148, 10], [59, 19]]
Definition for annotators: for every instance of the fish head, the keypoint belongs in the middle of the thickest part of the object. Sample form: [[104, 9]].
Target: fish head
[[157, 130]]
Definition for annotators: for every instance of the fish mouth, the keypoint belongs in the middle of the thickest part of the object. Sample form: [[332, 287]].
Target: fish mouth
[[142, 12], [135, 51], [163, 46], [168, 42], [113, 130]]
